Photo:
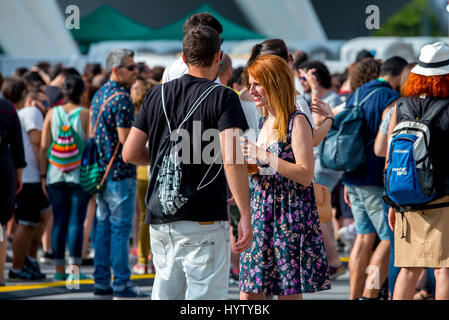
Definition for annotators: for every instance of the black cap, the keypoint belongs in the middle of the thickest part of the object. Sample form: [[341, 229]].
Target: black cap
[[363, 54]]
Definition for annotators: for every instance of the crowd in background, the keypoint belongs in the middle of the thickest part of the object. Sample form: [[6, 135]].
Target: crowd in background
[[45, 211]]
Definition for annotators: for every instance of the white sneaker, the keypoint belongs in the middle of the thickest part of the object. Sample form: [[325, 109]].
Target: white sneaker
[[347, 235]]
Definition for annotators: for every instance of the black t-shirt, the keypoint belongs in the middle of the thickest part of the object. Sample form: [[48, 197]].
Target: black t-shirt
[[439, 131], [220, 110]]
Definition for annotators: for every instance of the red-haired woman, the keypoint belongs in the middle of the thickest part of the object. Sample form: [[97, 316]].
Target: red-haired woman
[[422, 237], [286, 257]]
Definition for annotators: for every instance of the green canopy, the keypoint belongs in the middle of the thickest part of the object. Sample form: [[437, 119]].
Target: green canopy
[[231, 30], [106, 23]]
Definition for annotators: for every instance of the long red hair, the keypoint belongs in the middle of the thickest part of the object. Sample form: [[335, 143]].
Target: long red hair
[[431, 86], [275, 76]]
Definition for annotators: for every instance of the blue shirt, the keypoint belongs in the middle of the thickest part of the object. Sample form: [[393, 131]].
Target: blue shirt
[[371, 173], [118, 113]]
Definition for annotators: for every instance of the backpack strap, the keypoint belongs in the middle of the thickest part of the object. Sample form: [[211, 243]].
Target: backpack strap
[[405, 110], [290, 124], [92, 133], [193, 108], [434, 109], [356, 99]]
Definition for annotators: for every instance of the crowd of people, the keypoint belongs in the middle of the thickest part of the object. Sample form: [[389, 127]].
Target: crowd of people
[[259, 222]]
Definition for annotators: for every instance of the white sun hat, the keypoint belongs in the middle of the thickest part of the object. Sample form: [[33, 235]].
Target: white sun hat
[[433, 60]]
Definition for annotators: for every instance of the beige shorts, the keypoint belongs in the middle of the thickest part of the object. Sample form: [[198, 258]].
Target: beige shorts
[[421, 238]]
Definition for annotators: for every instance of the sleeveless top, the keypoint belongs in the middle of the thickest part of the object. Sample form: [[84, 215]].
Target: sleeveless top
[[54, 175], [439, 130]]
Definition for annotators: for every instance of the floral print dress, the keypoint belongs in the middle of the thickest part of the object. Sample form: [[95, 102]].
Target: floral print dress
[[287, 254]]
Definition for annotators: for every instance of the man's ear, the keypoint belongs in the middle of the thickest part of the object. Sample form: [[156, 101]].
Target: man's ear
[[183, 58], [114, 71]]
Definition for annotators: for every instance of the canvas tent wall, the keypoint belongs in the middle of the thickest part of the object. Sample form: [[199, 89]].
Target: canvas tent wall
[[27, 29]]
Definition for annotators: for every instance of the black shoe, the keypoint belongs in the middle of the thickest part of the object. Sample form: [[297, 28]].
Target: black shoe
[[47, 258], [103, 292], [88, 262], [33, 268], [20, 275]]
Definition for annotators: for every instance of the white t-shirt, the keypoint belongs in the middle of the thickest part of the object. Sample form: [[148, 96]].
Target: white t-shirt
[[252, 116], [176, 70], [31, 118], [303, 106]]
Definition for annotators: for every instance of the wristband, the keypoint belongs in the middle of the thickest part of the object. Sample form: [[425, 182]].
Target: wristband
[[43, 176], [332, 118]]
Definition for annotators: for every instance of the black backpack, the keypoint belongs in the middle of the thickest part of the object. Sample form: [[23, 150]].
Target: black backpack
[[170, 187]]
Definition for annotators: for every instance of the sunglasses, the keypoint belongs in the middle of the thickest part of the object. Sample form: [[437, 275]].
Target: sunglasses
[[130, 67]]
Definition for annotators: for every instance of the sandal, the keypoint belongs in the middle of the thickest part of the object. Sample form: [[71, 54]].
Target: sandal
[[422, 295]]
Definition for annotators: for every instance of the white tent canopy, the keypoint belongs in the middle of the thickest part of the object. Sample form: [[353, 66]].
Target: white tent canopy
[[34, 27]]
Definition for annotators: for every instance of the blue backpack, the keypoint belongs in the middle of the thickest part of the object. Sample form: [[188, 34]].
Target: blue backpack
[[343, 148], [409, 177]]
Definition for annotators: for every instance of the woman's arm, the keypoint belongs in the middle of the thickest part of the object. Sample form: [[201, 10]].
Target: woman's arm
[[381, 141], [302, 145], [45, 144], [35, 139], [391, 125], [321, 108], [85, 121]]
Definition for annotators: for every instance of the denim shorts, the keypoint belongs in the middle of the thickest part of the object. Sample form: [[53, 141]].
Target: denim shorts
[[367, 209], [192, 260]]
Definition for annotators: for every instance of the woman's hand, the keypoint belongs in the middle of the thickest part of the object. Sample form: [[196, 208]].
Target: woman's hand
[[44, 186], [253, 153], [322, 108], [311, 78], [391, 218], [19, 183]]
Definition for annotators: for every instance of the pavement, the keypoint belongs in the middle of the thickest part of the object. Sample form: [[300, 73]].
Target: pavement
[[48, 289]]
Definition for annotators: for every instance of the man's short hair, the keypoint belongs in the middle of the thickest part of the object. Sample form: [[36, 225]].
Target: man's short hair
[[116, 57], [200, 45], [93, 68], [33, 79], [393, 66], [202, 19], [226, 64], [322, 72], [299, 58], [33, 93], [13, 89], [69, 72]]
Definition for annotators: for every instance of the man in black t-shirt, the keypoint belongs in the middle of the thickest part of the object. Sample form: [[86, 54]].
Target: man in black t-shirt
[[192, 255]]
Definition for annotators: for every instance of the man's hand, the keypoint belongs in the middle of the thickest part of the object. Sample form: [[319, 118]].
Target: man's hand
[[231, 201], [245, 235], [19, 184], [346, 197]]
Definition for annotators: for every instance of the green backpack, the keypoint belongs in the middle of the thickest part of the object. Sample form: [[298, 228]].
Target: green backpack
[[67, 148], [92, 175]]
